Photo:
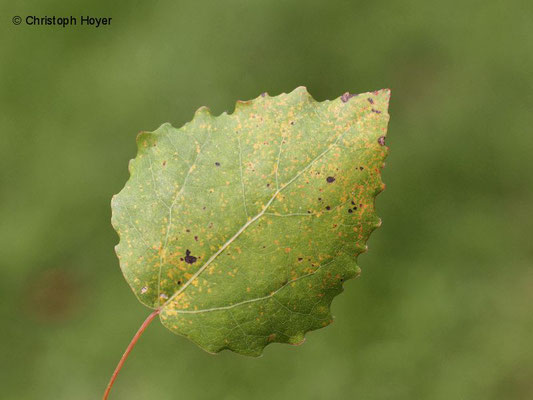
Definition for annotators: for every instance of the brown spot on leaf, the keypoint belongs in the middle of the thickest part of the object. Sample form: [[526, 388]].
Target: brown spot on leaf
[[188, 258], [347, 96]]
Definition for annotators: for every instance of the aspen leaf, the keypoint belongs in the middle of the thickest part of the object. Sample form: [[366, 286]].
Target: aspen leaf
[[241, 228]]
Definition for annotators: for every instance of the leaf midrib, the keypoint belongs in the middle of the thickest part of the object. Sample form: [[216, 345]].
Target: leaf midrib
[[248, 223]]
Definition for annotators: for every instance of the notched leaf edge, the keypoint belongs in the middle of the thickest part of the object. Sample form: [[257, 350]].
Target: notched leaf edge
[[203, 112]]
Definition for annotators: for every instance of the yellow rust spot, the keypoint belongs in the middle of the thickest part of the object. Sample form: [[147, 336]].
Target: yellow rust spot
[[170, 312], [342, 117]]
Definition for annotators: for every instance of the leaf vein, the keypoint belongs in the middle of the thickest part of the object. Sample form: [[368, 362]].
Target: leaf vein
[[251, 221], [256, 299]]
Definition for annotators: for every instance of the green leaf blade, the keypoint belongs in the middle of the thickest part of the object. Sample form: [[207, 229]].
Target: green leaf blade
[[243, 227]]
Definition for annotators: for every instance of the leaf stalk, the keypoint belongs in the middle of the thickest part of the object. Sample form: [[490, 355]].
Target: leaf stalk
[[144, 325]]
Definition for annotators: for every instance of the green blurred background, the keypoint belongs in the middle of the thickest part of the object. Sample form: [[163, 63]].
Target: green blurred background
[[443, 308]]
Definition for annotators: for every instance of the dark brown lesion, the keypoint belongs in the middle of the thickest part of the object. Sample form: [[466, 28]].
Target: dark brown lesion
[[189, 259], [347, 96]]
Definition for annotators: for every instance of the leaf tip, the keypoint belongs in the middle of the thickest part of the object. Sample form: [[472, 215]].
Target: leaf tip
[[385, 93]]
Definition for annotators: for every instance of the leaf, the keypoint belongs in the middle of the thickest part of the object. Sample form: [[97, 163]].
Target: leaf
[[242, 228]]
